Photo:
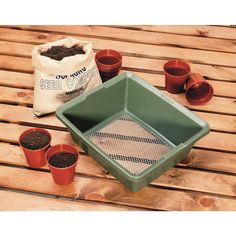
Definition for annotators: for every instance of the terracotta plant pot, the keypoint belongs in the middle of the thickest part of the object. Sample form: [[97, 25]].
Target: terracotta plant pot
[[176, 74], [198, 90], [35, 158], [62, 176], [109, 63]]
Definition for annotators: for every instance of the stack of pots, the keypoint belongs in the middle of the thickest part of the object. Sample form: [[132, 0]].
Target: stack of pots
[[178, 74]]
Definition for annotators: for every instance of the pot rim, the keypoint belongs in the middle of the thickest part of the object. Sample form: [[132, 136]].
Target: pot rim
[[32, 130], [108, 52], [176, 61], [203, 100], [58, 145]]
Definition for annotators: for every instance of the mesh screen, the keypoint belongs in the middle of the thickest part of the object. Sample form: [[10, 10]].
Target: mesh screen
[[130, 144]]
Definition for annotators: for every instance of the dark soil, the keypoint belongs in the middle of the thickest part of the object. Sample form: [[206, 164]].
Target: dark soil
[[35, 140], [59, 52], [62, 159]]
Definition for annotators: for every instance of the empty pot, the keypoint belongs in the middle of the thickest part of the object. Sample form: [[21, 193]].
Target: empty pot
[[198, 90], [109, 63], [176, 73]]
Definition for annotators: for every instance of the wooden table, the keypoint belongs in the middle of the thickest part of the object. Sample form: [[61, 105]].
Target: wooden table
[[204, 181]]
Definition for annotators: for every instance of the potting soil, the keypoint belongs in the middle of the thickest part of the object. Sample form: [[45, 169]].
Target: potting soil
[[35, 140], [59, 52], [62, 159]]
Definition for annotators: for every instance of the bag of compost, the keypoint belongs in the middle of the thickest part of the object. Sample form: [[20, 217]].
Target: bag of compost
[[64, 69]]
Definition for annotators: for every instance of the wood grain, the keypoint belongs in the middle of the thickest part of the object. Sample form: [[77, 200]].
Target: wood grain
[[210, 160], [16, 79], [214, 140], [194, 30], [15, 201], [225, 89], [32, 37], [210, 71], [20, 79], [185, 179], [13, 155], [216, 104], [24, 115], [201, 159], [111, 191], [16, 63], [16, 95], [156, 38], [137, 49], [11, 132]]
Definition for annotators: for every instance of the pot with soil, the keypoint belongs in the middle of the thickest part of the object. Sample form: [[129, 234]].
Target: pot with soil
[[62, 160], [35, 142]]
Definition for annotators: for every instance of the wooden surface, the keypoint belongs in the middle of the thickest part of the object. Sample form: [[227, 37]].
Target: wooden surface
[[204, 181]]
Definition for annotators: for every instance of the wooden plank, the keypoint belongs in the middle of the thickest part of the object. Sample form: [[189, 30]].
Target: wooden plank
[[15, 49], [21, 114], [112, 191], [186, 179], [217, 104], [196, 181], [16, 96], [24, 115], [11, 132], [16, 79], [137, 49], [214, 140], [210, 160], [219, 122], [16, 63], [133, 64], [194, 30], [26, 36], [155, 65], [156, 38], [13, 155], [15, 201], [218, 141], [226, 89], [201, 159], [211, 71]]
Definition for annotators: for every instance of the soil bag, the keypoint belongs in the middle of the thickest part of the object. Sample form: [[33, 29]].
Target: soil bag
[[59, 80]]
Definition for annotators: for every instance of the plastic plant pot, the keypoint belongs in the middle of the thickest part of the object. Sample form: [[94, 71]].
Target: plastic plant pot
[[198, 90], [35, 158], [62, 176], [176, 74], [109, 63]]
